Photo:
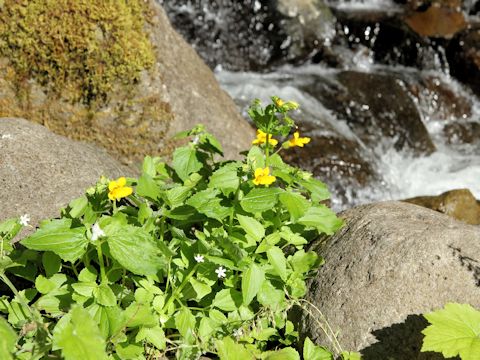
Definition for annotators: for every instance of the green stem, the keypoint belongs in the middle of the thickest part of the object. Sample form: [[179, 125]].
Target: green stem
[[267, 149], [12, 287], [232, 211], [102, 264], [180, 288]]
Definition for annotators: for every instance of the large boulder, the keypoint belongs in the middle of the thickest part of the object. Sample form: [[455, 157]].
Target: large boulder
[[115, 74], [389, 264], [40, 172], [459, 204]]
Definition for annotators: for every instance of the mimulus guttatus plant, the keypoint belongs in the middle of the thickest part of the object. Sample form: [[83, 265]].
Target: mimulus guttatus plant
[[196, 257]]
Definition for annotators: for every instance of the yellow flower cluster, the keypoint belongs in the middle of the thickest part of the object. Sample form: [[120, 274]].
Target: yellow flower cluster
[[263, 177], [118, 190], [262, 139]]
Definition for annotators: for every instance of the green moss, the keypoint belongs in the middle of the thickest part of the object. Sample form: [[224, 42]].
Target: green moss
[[81, 48]]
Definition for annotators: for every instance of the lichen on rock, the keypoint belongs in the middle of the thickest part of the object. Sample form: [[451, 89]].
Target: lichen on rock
[[81, 47]]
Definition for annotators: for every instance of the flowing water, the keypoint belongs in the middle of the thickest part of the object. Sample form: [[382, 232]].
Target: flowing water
[[449, 111]]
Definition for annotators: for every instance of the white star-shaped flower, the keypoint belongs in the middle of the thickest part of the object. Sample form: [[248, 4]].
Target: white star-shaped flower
[[24, 220], [97, 232], [221, 272], [195, 140], [199, 258], [237, 333]]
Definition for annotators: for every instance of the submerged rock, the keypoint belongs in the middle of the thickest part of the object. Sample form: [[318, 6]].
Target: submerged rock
[[459, 204], [143, 84], [389, 264], [376, 106], [40, 172]]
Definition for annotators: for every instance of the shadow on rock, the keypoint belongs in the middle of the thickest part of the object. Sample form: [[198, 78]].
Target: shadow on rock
[[400, 342]]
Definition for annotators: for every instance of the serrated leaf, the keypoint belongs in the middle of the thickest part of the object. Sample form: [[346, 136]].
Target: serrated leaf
[[8, 338], [276, 258], [295, 203], [228, 349], [252, 281], [176, 196], [315, 352], [454, 330], [350, 355], [58, 237], [269, 296], [140, 315], [260, 199], [186, 161], [252, 227], [227, 300], [51, 263], [201, 289], [318, 189], [147, 187], [283, 354], [321, 218], [79, 337], [302, 261], [208, 202], [134, 248], [185, 323], [104, 295], [225, 179]]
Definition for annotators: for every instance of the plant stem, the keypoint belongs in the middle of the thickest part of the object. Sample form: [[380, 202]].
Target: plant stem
[[102, 264], [180, 288], [12, 287], [232, 211]]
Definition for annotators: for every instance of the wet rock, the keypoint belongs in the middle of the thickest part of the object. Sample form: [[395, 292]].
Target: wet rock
[[40, 172], [389, 264], [459, 133], [375, 106], [252, 34], [337, 161], [135, 118], [437, 18], [463, 54], [459, 204]]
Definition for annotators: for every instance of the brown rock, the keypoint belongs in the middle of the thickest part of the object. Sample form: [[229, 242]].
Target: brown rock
[[441, 19], [459, 204], [40, 172], [174, 94], [389, 264]]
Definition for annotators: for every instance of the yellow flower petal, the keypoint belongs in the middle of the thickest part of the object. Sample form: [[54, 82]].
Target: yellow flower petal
[[121, 181]]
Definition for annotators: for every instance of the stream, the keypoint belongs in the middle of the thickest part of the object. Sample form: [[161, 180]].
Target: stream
[[383, 126]]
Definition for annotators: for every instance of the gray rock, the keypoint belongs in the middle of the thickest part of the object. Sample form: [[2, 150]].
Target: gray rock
[[40, 172], [390, 263]]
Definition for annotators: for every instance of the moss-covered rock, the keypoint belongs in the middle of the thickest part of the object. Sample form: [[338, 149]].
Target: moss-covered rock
[[82, 47], [113, 72]]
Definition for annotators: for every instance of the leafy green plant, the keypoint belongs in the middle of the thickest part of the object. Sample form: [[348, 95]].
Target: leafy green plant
[[453, 331], [197, 257]]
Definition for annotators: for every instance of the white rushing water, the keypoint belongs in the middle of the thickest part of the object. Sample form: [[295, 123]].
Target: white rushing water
[[403, 175]]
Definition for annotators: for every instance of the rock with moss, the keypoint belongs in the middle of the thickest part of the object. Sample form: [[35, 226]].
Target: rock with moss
[[111, 72]]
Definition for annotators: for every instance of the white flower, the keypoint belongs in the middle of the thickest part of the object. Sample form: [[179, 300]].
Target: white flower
[[199, 258], [221, 272], [237, 333], [24, 220], [97, 232], [195, 140]]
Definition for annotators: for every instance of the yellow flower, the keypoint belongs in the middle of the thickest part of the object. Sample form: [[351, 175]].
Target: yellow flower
[[279, 102], [262, 139], [297, 140], [263, 177], [118, 190]]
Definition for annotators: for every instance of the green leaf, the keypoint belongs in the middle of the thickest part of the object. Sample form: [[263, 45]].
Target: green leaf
[[225, 179], [51, 263], [78, 336], [269, 296], [8, 338], [44, 285], [8, 230], [252, 281], [256, 157], [453, 331], [87, 275], [314, 352], [140, 315], [129, 351], [201, 289], [186, 161], [149, 166], [295, 203], [104, 295], [58, 237], [134, 248], [284, 354], [176, 196], [228, 349], [321, 218], [185, 323], [207, 202], [78, 207], [302, 261], [155, 336], [276, 258], [318, 189], [227, 300], [252, 227], [260, 199], [147, 187]]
